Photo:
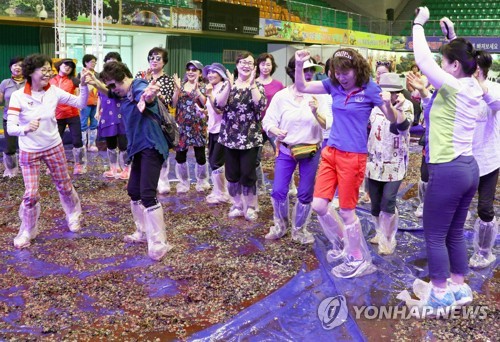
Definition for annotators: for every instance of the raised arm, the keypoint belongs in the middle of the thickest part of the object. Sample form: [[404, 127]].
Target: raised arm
[[313, 87], [423, 55]]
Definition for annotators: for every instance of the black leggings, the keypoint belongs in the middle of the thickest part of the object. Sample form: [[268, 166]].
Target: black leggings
[[119, 140], [486, 196], [199, 154]]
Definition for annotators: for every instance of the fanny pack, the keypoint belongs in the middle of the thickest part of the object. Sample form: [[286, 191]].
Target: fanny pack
[[303, 151]]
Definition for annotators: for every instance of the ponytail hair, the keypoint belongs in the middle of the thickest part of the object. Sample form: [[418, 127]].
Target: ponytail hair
[[461, 50], [484, 61]]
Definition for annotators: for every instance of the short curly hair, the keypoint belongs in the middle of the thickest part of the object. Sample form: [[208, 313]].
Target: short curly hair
[[159, 51], [262, 58], [346, 59], [115, 71], [112, 55], [33, 62]]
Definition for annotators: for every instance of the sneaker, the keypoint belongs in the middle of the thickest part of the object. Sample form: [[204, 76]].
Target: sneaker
[[461, 292], [235, 212], [136, 237], [438, 306], [479, 260], [350, 268], [251, 214], [125, 174], [375, 239], [92, 148], [111, 173], [302, 236]]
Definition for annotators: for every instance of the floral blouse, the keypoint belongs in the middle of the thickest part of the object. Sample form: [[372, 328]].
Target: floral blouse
[[166, 84], [192, 122], [241, 127]]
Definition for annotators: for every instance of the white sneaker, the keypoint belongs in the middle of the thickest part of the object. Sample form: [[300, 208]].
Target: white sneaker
[[235, 212], [251, 214]]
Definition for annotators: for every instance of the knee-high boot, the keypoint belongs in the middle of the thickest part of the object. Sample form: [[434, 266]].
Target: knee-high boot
[[388, 228], [11, 166], [333, 227], [201, 172], [138, 214], [182, 173], [122, 160], [280, 216], [236, 197], [29, 225], [219, 192], [485, 234], [72, 208], [155, 232], [163, 181], [251, 202], [92, 141], [113, 164], [300, 219]]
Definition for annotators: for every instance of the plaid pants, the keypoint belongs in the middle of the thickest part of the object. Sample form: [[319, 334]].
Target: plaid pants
[[30, 162]]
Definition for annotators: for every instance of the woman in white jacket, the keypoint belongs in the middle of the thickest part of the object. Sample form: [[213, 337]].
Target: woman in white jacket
[[31, 117]]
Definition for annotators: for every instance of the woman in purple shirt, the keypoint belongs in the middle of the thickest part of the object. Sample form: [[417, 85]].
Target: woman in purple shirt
[[266, 66]]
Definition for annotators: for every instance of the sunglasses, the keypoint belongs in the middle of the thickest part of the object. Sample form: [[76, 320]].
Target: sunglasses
[[192, 69], [111, 86], [156, 58], [384, 63]]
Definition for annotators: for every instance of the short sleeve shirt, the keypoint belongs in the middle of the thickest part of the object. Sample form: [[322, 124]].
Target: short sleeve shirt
[[352, 112]]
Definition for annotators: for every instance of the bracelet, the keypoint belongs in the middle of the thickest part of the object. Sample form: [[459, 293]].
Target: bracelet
[[414, 23]]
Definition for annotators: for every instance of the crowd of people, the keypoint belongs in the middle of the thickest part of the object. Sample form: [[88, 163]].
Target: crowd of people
[[319, 123]]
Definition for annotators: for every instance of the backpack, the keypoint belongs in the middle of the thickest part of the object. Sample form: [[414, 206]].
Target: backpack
[[167, 124]]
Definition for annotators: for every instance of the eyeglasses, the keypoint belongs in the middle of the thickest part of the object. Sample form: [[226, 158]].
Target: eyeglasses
[[192, 69], [384, 63], [46, 71], [156, 58], [246, 63]]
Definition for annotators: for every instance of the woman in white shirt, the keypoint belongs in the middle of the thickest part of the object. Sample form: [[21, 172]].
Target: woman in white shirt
[[295, 118], [31, 117]]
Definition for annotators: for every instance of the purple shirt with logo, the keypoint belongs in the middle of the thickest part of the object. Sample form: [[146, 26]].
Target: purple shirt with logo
[[351, 115]]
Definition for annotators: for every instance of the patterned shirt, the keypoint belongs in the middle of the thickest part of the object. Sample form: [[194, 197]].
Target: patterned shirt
[[166, 84], [241, 127], [388, 146], [192, 123]]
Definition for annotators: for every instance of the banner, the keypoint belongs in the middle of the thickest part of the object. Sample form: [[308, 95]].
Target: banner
[[306, 33], [490, 44]]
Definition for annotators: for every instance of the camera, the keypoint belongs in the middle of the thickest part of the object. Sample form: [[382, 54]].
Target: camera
[[42, 13]]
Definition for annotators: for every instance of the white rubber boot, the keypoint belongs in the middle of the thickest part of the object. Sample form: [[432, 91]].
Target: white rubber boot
[[376, 238], [113, 171], [29, 225], [80, 155], [357, 256], [139, 235], [219, 192], [155, 232], [122, 160], [73, 209], [280, 217], [92, 139], [251, 202], [485, 234], [388, 228], [422, 188], [163, 181], [300, 219], [182, 173], [11, 166], [333, 227], [236, 197], [261, 184], [201, 172]]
